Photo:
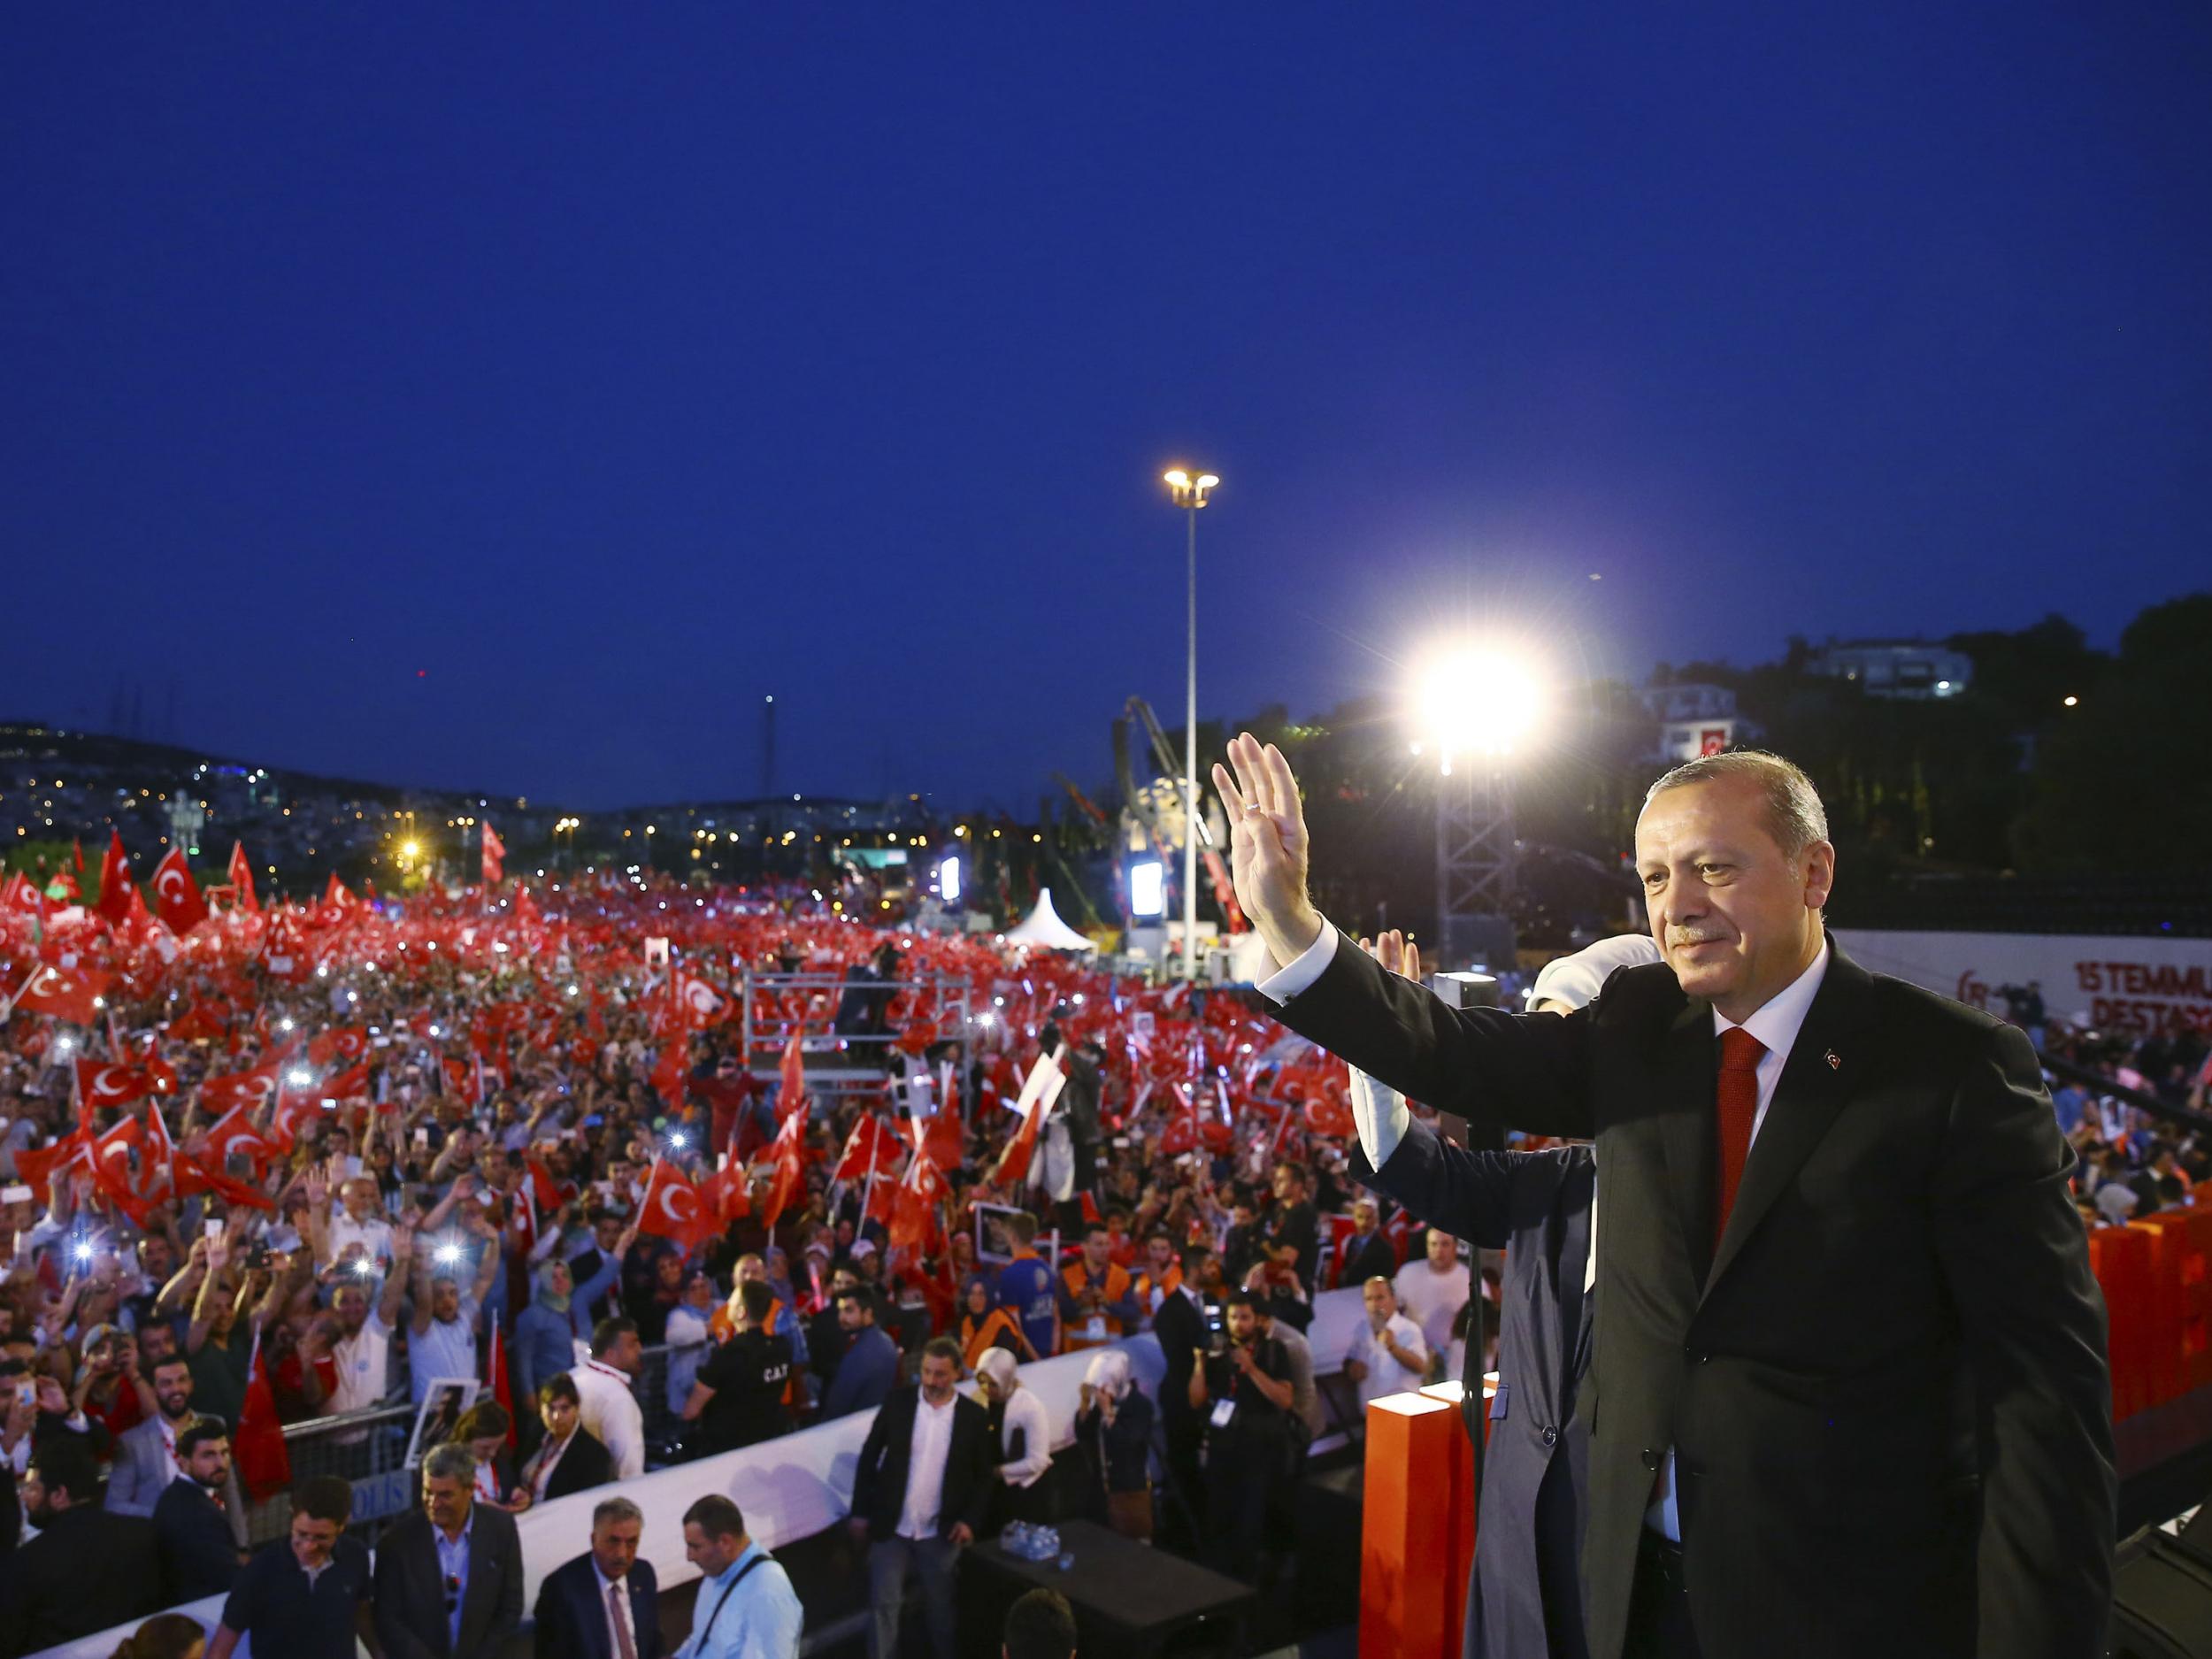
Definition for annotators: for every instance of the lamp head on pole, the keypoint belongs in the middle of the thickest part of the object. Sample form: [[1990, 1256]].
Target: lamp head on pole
[[1187, 491]]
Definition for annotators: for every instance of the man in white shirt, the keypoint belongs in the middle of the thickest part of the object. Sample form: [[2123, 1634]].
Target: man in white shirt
[[606, 1404], [1432, 1291], [919, 1491], [1387, 1356], [356, 1226], [362, 1355]]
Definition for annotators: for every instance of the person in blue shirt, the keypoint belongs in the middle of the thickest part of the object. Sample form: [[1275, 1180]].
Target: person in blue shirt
[[870, 1368], [746, 1607], [1027, 1288], [557, 1319], [2071, 1103]]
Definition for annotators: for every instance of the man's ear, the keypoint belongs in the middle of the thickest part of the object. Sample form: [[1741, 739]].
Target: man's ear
[[1820, 873]]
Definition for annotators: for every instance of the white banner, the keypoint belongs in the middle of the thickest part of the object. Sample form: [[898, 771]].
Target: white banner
[[2100, 982]]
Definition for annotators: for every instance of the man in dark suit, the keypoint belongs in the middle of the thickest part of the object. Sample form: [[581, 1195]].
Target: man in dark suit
[[198, 1556], [925, 1477], [87, 1570], [581, 1601], [1179, 1325], [1366, 1253], [1849, 1391], [146, 1457], [603, 1252], [449, 1575]]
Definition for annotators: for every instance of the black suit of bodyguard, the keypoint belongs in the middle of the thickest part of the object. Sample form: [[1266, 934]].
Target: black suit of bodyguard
[[1885, 1388]]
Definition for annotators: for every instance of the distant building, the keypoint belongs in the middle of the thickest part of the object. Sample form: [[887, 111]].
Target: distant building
[[1693, 720], [1896, 668]]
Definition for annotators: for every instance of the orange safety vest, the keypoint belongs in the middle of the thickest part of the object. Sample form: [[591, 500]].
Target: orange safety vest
[[980, 1337], [1077, 1278]]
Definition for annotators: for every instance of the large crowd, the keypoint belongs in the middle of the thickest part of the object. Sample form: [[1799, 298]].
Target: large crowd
[[607, 1172], [503, 1173]]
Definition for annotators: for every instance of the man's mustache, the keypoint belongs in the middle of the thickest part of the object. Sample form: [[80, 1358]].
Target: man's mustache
[[1679, 936]]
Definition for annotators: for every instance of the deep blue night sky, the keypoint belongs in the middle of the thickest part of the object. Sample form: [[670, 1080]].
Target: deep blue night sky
[[617, 365]]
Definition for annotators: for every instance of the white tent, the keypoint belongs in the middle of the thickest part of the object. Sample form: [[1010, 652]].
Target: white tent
[[1043, 926]]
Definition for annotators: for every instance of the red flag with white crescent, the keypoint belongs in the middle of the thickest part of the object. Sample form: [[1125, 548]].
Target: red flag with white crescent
[[116, 888], [673, 1208], [70, 994], [177, 899], [494, 852], [242, 878], [103, 1083], [788, 1152], [914, 1211]]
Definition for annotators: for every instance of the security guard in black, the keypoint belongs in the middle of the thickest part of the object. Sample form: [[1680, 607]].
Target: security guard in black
[[738, 1397]]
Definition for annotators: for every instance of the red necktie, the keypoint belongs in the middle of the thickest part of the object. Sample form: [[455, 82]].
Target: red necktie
[[1738, 1099]]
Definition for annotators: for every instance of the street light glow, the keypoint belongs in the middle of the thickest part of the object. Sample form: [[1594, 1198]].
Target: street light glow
[[1177, 479]]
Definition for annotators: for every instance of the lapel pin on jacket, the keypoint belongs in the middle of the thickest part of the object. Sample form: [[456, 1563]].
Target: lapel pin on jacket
[[1834, 1060]]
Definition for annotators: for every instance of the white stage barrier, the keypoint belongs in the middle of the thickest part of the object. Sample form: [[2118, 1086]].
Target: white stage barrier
[[790, 1487]]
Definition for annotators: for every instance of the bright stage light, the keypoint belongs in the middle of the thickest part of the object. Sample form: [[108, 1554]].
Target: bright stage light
[[1148, 889], [948, 881], [1480, 699]]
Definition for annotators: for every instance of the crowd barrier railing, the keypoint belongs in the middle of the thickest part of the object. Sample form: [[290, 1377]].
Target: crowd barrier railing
[[788, 1488]]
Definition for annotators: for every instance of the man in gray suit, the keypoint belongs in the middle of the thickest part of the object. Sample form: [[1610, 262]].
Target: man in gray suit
[[449, 1577], [146, 1455], [1524, 1594]]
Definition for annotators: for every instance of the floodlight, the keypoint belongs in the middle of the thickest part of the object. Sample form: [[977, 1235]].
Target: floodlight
[[1480, 699], [948, 881], [1148, 889]]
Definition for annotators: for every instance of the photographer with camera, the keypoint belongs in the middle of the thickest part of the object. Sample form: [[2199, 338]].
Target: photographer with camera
[[1243, 1391]]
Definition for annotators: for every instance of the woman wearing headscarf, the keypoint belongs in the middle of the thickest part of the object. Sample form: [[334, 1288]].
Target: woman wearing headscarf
[[1025, 1435], [1113, 1428], [984, 1326]]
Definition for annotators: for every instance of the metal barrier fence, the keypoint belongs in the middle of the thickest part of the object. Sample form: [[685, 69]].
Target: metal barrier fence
[[368, 1450]]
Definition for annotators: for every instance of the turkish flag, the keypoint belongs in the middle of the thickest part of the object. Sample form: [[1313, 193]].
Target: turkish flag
[[176, 895], [1043, 1087], [101, 1083], [494, 851], [237, 1091], [242, 878], [706, 1004], [344, 1042], [161, 1151], [70, 994], [231, 1134], [914, 1211], [196, 1023], [193, 1176], [788, 1152], [265, 1465], [728, 1193], [673, 1208], [869, 1150], [544, 1191], [20, 894], [1327, 1115], [34, 1164], [115, 882], [792, 1079]]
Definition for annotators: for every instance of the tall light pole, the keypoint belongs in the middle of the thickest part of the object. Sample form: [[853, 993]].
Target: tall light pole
[[1190, 494], [1480, 703]]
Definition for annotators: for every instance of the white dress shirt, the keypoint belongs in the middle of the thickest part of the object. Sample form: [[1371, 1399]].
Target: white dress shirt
[[926, 1468], [610, 1410]]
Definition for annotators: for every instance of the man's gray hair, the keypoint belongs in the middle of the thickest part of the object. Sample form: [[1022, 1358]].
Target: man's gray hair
[[616, 1509], [1795, 818], [449, 1462]]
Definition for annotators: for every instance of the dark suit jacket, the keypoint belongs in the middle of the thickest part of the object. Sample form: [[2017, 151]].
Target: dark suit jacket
[[1886, 1389], [572, 1611], [410, 1618], [198, 1556], [585, 1465], [1180, 1328], [87, 1571], [1372, 1258], [971, 1465], [1524, 1594]]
